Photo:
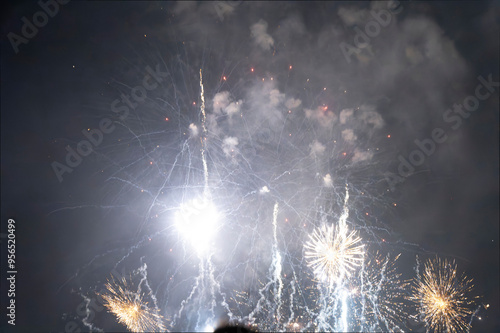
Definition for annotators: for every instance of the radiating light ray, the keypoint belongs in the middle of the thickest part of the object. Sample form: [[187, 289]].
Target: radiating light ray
[[443, 296]]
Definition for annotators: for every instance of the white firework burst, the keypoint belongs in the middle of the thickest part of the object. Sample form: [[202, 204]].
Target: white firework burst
[[333, 252]]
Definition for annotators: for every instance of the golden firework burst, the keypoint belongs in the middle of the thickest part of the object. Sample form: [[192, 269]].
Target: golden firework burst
[[442, 296], [130, 308]]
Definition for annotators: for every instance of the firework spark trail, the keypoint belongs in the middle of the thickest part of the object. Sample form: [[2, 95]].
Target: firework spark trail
[[340, 283], [88, 312], [277, 265], [200, 296], [192, 217], [297, 289], [292, 314], [215, 288], [378, 288], [206, 287], [203, 137], [379, 302], [144, 280], [213, 284], [363, 299], [276, 280], [188, 299]]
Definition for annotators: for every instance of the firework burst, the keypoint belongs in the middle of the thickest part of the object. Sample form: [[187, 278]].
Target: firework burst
[[130, 308], [333, 253], [442, 297]]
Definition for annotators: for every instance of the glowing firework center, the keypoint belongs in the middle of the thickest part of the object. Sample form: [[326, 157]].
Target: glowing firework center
[[197, 221], [333, 256]]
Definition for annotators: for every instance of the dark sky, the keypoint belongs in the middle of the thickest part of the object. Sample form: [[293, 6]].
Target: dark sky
[[298, 118]]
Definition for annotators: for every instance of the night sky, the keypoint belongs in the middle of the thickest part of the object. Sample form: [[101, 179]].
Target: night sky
[[302, 100]]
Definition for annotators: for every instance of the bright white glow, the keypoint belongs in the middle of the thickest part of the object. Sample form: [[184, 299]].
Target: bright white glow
[[197, 221], [208, 328]]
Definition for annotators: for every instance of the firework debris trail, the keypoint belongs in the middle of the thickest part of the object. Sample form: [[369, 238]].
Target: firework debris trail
[[276, 281], [204, 136]]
